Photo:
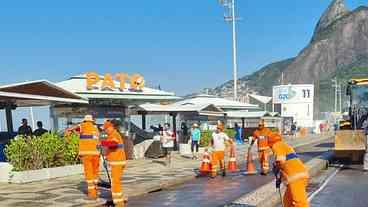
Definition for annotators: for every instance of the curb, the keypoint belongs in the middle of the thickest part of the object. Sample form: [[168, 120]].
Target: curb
[[266, 196]]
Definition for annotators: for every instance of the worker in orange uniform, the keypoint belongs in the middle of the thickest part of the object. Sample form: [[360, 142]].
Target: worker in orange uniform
[[218, 145], [88, 140], [114, 149], [289, 169], [261, 136]]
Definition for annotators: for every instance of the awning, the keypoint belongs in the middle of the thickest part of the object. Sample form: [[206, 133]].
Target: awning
[[251, 114], [37, 93], [204, 109]]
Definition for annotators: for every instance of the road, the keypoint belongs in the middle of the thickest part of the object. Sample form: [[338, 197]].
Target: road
[[347, 188], [207, 192]]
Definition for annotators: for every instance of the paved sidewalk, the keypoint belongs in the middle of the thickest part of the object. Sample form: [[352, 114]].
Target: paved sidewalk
[[140, 177]]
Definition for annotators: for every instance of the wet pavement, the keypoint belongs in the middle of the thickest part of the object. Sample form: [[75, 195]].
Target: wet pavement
[[347, 188], [206, 192]]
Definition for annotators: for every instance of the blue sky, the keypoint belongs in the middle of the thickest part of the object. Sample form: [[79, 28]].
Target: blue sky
[[181, 45]]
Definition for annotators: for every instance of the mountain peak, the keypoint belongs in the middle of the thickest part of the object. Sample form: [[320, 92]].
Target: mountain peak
[[336, 10]]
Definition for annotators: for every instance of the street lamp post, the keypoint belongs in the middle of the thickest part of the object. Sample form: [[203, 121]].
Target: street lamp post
[[231, 17]]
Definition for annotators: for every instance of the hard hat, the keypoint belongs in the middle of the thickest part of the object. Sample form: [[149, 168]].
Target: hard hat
[[195, 125], [274, 139], [88, 118]]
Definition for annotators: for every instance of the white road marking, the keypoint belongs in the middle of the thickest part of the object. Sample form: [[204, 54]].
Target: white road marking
[[310, 198]]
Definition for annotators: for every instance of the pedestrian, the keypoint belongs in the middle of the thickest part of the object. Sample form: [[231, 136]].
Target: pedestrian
[[167, 141], [184, 131], [90, 156], [116, 157], [261, 136], [218, 145], [195, 138], [288, 168], [25, 129], [293, 129], [40, 130], [238, 134]]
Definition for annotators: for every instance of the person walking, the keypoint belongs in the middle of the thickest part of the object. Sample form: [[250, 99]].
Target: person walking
[[90, 156], [184, 131], [218, 145], [116, 157], [195, 138], [238, 134], [167, 141], [290, 170], [261, 136], [293, 129]]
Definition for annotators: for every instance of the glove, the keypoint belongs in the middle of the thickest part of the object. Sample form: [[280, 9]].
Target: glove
[[278, 182], [109, 144]]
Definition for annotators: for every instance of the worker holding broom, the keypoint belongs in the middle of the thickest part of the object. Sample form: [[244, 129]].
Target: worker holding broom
[[288, 168], [114, 151]]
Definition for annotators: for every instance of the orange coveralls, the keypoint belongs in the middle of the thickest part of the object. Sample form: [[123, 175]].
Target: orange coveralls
[[261, 136], [90, 156], [117, 159], [293, 173]]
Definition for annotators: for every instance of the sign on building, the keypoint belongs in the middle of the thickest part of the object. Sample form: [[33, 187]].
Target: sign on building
[[296, 101]]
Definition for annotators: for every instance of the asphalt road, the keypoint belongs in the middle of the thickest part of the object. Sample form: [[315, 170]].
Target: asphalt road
[[220, 191], [349, 187]]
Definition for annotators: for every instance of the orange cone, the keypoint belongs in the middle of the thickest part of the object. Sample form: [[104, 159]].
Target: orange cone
[[250, 168], [232, 167], [205, 164]]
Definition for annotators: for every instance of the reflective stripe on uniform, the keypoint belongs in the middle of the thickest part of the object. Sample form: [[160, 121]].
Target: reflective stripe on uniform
[[117, 162], [233, 159], [263, 148], [120, 200], [91, 187], [291, 156], [206, 160], [117, 194], [89, 153], [280, 158], [295, 177], [83, 136], [89, 181]]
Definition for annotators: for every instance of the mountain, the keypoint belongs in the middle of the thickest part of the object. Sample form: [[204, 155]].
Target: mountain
[[338, 48]]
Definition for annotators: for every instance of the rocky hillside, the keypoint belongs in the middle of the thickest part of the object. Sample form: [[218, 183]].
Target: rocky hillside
[[339, 47]]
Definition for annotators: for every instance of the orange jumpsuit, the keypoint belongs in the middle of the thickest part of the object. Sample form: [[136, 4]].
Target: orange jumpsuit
[[90, 156], [116, 156], [293, 173], [261, 136]]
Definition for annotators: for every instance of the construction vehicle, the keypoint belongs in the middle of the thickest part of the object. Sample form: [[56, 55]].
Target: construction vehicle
[[350, 139]]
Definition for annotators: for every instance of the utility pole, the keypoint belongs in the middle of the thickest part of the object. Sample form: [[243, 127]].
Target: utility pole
[[338, 94], [231, 17]]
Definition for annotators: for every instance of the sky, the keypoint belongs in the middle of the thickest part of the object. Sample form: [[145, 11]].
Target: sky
[[183, 46]]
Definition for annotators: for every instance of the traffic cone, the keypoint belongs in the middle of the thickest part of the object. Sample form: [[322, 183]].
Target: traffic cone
[[250, 168], [232, 167], [205, 167]]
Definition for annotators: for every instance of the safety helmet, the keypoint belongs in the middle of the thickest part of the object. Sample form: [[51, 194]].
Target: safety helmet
[[88, 118]]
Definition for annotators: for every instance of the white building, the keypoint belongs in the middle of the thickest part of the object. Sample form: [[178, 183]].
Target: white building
[[295, 101]]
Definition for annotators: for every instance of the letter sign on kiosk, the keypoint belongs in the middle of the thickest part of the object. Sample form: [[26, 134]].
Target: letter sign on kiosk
[[108, 83]]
